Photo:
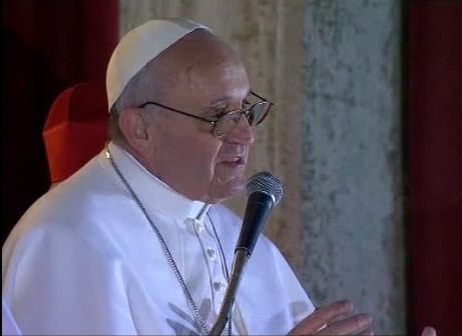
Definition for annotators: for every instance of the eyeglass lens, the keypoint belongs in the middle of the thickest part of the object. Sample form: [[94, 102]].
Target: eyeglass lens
[[255, 115]]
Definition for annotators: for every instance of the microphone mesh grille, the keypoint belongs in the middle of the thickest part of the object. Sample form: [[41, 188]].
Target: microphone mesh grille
[[267, 183]]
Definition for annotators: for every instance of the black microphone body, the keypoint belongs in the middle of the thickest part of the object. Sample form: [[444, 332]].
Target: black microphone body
[[258, 207]]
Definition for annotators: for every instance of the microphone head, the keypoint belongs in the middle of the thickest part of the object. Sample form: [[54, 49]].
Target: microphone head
[[267, 183]]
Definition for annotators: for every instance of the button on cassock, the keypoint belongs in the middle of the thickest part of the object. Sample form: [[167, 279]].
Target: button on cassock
[[194, 225], [212, 253], [218, 286]]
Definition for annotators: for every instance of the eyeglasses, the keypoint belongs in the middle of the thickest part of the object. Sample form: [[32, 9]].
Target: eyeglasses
[[225, 122]]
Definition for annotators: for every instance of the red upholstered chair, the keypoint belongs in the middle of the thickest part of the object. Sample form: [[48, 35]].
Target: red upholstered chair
[[75, 129]]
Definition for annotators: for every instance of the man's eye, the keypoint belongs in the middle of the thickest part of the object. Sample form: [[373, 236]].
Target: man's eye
[[220, 113]]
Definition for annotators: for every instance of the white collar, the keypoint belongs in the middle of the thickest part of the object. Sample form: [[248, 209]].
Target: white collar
[[156, 195]]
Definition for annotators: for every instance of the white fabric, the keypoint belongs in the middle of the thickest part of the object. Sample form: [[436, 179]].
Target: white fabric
[[138, 47], [9, 326], [84, 260]]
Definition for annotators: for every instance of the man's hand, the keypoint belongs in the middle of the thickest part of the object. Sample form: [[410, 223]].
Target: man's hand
[[335, 319], [429, 331]]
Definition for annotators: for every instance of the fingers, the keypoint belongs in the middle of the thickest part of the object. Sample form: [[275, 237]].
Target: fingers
[[359, 324], [429, 331], [333, 320], [329, 313]]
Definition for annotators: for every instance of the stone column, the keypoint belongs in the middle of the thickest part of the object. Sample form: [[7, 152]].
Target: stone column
[[352, 175]]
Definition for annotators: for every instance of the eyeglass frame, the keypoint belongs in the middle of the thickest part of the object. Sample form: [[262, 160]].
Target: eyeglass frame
[[220, 115]]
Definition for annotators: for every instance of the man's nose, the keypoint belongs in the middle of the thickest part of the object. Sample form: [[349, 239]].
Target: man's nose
[[242, 133]]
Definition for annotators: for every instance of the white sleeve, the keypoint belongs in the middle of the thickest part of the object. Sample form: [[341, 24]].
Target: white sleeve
[[55, 283], [9, 326], [301, 304]]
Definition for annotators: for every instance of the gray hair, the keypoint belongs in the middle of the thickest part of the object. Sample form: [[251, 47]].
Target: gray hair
[[144, 86]]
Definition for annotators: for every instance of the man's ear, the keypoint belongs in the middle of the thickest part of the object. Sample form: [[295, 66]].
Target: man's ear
[[133, 127]]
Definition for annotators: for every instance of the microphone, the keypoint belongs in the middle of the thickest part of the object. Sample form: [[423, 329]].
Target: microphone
[[264, 191]]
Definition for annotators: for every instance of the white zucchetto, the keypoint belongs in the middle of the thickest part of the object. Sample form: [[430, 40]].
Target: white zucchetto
[[139, 46]]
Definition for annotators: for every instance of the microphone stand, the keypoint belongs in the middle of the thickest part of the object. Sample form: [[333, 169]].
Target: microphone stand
[[241, 256], [264, 191]]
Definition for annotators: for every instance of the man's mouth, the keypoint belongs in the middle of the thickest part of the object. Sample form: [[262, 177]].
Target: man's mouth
[[234, 161]]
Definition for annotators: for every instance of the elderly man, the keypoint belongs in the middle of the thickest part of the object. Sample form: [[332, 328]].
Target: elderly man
[[136, 242]]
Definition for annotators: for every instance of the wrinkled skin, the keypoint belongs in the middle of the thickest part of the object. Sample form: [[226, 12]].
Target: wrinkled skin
[[180, 150], [338, 319]]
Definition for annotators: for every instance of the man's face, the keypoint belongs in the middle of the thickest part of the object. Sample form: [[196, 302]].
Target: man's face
[[185, 154]]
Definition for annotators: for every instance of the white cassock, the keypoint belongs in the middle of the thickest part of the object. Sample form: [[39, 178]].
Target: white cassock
[[84, 259], [9, 326]]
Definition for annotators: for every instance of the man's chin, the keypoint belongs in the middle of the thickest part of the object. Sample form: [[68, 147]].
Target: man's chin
[[232, 189]]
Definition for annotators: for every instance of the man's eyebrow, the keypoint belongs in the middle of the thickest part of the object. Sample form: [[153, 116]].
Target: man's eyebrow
[[219, 102], [224, 101], [217, 105]]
